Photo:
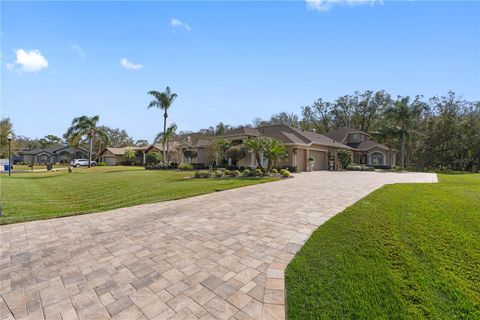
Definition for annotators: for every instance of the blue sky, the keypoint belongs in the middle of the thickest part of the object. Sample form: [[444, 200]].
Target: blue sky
[[227, 61]]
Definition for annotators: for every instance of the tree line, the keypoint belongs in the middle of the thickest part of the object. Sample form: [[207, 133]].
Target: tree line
[[437, 133]]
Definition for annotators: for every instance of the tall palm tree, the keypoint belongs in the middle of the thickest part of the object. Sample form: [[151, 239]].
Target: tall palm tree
[[257, 145], [87, 127], [163, 101], [165, 138], [403, 113]]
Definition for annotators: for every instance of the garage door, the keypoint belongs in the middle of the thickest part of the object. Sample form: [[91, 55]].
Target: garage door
[[320, 161], [110, 161]]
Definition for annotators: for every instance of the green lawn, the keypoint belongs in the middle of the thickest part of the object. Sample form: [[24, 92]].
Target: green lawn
[[34, 196], [407, 251]]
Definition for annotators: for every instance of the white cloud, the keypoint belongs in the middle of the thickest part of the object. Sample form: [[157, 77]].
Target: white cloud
[[128, 65], [75, 48], [30, 61], [325, 5], [176, 23]]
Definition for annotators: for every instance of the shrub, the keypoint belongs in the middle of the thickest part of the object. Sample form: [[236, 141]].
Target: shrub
[[153, 158], [291, 168], [218, 174], [101, 164], [345, 157], [236, 173], [246, 173], [174, 165], [202, 174], [274, 171], [227, 172], [311, 159], [286, 173], [381, 166], [360, 168], [185, 166], [258, 172]]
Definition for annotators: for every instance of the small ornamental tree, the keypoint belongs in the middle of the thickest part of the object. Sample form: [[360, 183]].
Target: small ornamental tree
[[129, 155], [153, 158], [345, 157], [235, 154]]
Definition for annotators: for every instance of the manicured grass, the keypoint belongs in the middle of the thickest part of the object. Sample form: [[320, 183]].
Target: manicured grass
[[407, 251], [34, 196]]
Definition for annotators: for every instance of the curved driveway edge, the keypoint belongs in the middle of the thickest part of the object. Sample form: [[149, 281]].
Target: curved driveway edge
[[216, 256]]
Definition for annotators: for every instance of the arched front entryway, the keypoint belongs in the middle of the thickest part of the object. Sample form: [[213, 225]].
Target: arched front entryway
[[376, 158]]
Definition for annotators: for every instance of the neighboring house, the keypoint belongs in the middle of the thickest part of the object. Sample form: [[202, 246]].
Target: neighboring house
[[300, 145], [173, 150], [56, 154], [366, 151], [115, 156]]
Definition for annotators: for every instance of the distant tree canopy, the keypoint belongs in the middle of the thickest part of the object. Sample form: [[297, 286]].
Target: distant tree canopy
[[49, 141], [5, 128], [442, 132]]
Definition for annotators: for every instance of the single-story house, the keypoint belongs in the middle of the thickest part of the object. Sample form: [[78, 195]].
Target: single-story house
[[115, 156], [300, 145], [365, 151], [56, 154]]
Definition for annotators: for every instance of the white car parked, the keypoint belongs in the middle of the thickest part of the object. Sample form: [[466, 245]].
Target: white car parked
[[82, 162]]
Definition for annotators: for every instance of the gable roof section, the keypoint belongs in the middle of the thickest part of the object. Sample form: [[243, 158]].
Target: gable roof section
[[341, 134], [171, 147], [203, 143], [367, 145], [287, 134], [242, 131], [121, 151], [53, 150]]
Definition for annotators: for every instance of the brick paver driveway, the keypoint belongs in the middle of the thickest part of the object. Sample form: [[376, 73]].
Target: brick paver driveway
[[217, 256]]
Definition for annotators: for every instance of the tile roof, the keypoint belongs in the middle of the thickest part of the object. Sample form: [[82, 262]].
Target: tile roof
[[242, 131], [367, 145], [287, 134], [340, 134], [203, 143]]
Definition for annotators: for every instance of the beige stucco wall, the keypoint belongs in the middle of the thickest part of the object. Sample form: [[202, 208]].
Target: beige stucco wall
[[246, 161], [201, 156]]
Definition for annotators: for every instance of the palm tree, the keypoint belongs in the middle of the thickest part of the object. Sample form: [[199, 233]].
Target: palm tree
[[166, 138], [129, 154], [256, 145], [162, 101], [222, 146], [73, 140], [85, 126], [403, 113], [274, 151]]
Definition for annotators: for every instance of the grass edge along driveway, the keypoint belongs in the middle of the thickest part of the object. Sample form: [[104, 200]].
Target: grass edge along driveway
[[406, 251], [37, 196]]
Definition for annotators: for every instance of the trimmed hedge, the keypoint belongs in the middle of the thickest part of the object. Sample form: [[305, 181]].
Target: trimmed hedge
[[360, 168]]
